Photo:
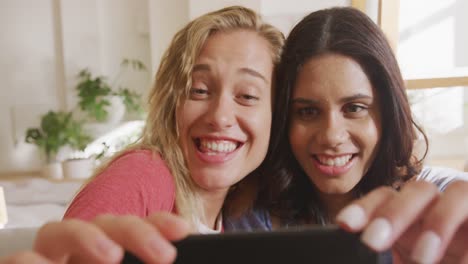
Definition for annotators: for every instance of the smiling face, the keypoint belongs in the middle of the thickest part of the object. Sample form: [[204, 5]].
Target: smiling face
[[224, 124], [335, 123]]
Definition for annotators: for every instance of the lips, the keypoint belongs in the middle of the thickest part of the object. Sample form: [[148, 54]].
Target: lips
[[334, 165], [216, 146], [216, 150], [337, 161]]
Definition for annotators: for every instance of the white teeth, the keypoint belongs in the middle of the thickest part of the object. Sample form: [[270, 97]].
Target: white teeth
[[337, 162], [220, 146]]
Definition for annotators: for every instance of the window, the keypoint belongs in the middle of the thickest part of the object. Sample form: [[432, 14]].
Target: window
[[429, 41]]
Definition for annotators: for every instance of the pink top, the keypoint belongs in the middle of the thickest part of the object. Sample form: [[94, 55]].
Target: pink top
[[137, 183]]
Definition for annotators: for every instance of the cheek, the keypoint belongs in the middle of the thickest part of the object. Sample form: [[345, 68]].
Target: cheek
[[258, 125], [370, 136], [184, 122], [187, 114], [257, 120], [297, 137]]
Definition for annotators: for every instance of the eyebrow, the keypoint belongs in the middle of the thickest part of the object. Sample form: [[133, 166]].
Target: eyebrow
[[356, 97], [346, 99], [244, 70], [253, 73]]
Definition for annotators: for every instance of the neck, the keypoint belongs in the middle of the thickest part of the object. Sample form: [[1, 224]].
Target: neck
[[212, 202], [333, 203]]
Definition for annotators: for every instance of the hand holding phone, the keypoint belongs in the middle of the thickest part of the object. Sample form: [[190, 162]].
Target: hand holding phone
[[305, 245]]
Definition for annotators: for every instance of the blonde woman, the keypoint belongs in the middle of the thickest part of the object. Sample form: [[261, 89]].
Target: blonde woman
[[208, 130]]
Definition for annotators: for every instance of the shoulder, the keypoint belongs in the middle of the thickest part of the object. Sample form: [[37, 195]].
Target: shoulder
[[137, 183], [141, 157], [139, 165], [441, 176]]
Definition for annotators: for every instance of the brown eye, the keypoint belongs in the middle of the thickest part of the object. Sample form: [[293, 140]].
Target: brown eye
[[307, 112], [249, 97], [355, 110]]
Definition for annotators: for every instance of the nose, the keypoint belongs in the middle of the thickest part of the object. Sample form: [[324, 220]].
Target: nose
[[222, 113], [332, 131]]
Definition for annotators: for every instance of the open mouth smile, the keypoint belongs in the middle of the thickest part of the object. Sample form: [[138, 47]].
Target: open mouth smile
[[334, 165], [216, 146], [334, 161]]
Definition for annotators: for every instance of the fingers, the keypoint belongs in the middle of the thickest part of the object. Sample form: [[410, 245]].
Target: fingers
[[396, 215], [429, 226], [76, 237], [387, 214], [140, 237], [25, 257], [76, 241], [355, 217], [465, 259], [439, 225], [171, 226]]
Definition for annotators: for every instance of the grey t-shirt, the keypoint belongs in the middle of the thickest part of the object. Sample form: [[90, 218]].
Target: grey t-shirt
[[441, 176]]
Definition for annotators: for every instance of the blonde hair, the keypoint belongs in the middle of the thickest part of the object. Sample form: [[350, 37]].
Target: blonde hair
[[173, 81]]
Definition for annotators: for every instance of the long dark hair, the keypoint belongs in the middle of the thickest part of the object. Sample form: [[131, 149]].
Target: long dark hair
[[288, 191]]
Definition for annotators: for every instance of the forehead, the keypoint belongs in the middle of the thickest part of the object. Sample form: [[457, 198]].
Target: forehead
[[237, 47], [332, 75]]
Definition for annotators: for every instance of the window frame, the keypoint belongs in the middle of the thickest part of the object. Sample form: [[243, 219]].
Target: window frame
[[388, 20]]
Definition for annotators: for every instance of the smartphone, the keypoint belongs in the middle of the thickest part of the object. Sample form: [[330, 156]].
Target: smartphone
[[297, 246]]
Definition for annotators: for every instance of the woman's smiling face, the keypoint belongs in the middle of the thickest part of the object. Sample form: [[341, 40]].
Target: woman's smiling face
[[335, 123], [224, 123]]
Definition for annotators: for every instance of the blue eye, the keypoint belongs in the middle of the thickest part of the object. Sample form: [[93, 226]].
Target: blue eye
[[198, 93], [247, 99]]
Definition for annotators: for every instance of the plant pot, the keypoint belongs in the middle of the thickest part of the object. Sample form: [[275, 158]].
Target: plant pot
[[53, 171], [78, 168]]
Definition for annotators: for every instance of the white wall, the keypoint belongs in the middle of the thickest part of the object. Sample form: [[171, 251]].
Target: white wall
[[200, 7], [95, 34], [99, 34], [27, 71], [165, 19], [123, 33], [283, 15], [274, 7], [81, 41]]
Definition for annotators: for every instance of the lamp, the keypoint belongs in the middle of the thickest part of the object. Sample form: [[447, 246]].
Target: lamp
[[3, 210]]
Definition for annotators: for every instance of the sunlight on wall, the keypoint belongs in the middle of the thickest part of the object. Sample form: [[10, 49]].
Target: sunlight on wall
[[115, 140], [430, 32], [427, 37]]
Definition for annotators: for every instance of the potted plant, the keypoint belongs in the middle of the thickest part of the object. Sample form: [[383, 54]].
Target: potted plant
[[96, 94], [77, 167], [56, 130]]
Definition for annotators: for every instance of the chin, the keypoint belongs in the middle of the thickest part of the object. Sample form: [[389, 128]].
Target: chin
[[211, 183], [335, 190]]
